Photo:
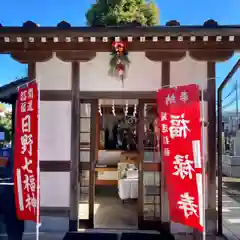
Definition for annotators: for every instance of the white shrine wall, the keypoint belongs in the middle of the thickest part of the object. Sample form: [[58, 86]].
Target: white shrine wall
[[55, 116], [55, 132], [143, 74], [54, 74], [188, 71], [55, 139]]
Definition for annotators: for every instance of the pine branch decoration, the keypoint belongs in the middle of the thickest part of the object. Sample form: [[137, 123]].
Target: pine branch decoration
[[119, 62]]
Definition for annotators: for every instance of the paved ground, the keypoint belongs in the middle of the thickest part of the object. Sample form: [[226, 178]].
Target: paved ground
[[231, 206], [231, 215], [59, 236], [42, 236]]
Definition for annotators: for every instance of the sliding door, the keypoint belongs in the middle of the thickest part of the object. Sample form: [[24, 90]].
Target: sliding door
[[150, 167], [88, 110]]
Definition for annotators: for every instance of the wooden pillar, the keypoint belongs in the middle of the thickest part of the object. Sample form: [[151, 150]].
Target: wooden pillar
[[164, 196], [13, 119], [31, 71], [75, 151], [211, 214]]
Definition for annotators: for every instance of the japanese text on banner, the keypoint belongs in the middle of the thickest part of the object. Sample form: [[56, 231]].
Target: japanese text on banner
[[25, 152], [180, 128]]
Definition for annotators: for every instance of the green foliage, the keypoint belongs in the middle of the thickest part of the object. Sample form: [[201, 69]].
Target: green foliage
[[114, 61], [6, 125], [118, 12]]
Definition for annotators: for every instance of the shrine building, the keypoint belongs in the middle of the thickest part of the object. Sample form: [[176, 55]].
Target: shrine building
[[99, 166]]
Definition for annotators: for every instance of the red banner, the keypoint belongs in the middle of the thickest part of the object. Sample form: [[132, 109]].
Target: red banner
[[180, 127], [26, 153]]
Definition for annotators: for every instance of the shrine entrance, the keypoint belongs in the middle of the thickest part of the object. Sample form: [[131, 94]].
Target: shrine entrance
[[142, 159]]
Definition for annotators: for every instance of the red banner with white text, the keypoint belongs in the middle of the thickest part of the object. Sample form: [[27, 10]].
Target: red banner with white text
[[180, 126], [26, 153]]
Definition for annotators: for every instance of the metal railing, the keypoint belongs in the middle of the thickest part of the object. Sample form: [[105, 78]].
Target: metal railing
[[228, 127]]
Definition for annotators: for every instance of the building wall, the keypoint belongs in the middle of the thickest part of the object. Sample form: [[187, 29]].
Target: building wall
[[188, 71], [54, 74], [143, 74], [55, 142], [55, 116], [55, 132]]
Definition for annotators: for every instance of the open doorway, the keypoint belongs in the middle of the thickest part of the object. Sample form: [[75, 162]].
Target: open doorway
[[117, 177], [119, 137]]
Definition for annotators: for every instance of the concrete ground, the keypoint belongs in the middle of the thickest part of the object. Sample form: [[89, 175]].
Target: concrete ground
[[231, 207], [59, 236], [111, 213], [42, 236]]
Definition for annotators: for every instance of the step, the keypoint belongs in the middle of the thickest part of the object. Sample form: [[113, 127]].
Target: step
[[91, 236], [100, 234]]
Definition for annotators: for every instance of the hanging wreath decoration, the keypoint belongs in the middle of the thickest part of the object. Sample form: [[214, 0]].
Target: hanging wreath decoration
[[119, 61]]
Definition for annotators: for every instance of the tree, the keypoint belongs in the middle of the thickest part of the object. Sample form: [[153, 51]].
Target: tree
[[119, 12], [6, 125]]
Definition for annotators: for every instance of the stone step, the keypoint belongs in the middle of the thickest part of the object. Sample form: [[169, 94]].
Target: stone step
[[116, 235]]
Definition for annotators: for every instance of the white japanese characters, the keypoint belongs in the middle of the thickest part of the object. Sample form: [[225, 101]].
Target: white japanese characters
[[31, 202], [166, 140], [166, 152], [30, 93], [23, 96], [26, 124], [184, 96], [27, 141], [178, 126], [187, 204], [170, 99], [163, 116], [183, 166], [30, 106], [164, 128], [178, 131], [27, 165], [29, 181]]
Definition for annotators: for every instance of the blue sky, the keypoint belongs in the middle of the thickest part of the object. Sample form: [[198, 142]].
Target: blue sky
[[50, 12]]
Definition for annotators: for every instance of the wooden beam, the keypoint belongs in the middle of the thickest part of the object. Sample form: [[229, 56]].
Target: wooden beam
[[31, 56], [104, 169], [158, 56], [162, 45], [82, 56], [152, 167], [106, 182], [214, 55]]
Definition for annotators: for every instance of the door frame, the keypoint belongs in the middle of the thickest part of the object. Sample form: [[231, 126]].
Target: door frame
[[89, 223], [145, 224], [90, 166]]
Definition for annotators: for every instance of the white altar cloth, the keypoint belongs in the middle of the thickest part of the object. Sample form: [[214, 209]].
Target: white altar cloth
[[128, 188]]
